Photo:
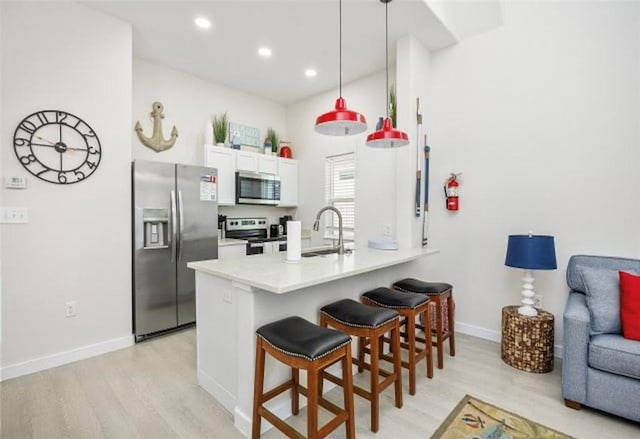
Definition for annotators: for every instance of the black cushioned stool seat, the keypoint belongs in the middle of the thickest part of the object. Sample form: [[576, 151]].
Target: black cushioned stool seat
[[442, 315], [300, 344], [356, 314], [300, 338], [369, 324], [417, 286], [409, 306]]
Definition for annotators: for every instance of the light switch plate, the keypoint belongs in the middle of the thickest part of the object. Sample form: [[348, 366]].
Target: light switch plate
[[14, 215], [15, 182]]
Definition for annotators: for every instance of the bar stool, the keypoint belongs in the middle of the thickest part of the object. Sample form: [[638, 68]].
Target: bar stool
[[409, 306], [372, 323], [441, 295], [302, 345]]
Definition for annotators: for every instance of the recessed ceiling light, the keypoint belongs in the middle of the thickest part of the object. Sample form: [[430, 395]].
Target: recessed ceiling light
[[264, 52], [310, 73], [202, 23]]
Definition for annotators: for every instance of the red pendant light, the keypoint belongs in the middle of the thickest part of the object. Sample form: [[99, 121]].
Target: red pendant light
[[341, 121], [387, 136]]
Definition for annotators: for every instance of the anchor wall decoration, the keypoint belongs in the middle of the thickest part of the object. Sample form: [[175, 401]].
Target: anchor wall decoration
[[156, 142]]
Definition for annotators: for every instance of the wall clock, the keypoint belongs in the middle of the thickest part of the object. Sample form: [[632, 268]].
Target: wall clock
[[57, 146]]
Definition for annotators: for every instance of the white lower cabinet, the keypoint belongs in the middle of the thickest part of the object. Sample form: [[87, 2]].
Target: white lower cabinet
[[232, 251], [288, 172], [224, 160]]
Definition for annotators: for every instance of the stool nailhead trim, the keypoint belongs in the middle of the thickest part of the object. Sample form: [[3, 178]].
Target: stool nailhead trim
[[360, 326], [383, 305], [295, 354]]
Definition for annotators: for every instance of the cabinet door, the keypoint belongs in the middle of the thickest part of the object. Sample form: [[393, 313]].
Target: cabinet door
[[288, 172], [223, 159], [268, 164], [247, 161], [232, 251]]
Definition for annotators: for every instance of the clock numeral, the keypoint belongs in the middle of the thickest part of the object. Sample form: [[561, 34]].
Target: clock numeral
[[25, 160], [79, 175], [61, 116], [20, 142], [89, 134], [62, 178], [91, 165], [28, 126], [92, 150], [42, 117]]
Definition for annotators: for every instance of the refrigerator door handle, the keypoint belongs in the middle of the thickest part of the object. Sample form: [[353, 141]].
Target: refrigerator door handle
[[173, 240], [181, 222]]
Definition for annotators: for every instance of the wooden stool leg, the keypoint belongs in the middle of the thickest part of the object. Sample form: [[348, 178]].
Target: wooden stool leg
[[439, 331], [258, 388], [347, 377], [428, 345], [375, 400], [397, 366], [452, 332], [361, 345], [312, 402], [295, 392], [411, 332]]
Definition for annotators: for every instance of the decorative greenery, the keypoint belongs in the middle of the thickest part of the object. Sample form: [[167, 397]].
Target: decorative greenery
[[220, 124], [393, 105], [272, 137]]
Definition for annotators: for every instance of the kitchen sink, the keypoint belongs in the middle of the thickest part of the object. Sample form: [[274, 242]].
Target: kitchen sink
[[321, 252]]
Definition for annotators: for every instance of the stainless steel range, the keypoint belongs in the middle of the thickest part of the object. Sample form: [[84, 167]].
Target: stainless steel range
[[255, 231]]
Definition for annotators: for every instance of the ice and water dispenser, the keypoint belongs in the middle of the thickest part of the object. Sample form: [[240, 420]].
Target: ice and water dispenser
[[156, 228]]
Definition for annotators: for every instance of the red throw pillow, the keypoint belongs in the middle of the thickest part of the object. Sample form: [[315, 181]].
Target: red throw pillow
[[630, 305]]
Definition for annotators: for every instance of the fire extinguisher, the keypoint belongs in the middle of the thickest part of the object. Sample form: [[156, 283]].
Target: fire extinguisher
[[451, 192]]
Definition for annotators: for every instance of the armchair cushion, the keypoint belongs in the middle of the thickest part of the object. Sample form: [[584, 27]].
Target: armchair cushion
[[615, 354], [603, 299]]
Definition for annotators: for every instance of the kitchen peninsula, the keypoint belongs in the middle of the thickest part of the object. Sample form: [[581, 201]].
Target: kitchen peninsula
[[235, 297]]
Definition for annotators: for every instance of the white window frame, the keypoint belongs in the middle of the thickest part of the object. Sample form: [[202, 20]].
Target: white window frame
[[340, 167]]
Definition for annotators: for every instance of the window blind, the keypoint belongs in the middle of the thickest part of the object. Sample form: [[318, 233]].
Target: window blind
[[340, 192]]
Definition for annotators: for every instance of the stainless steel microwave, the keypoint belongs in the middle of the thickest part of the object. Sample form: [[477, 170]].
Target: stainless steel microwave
[[257, 188]]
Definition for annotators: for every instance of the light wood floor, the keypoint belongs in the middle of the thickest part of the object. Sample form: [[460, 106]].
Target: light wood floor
[[150, 391]]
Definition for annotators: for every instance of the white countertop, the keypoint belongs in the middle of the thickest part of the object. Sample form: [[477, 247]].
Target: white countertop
[[271, 272], [230, 241]]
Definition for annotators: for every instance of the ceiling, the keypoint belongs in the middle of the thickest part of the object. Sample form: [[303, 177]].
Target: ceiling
[[301, 34]]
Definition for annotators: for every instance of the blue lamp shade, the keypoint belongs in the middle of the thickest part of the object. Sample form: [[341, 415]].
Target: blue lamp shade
[[531, 252]]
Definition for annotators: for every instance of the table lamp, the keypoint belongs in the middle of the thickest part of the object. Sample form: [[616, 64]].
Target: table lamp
[[531, 252]]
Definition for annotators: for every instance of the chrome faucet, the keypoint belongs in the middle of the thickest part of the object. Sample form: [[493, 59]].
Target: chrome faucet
[[316, 226]]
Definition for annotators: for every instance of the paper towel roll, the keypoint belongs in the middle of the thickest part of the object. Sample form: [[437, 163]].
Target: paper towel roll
[[208, 133], [294, 240]]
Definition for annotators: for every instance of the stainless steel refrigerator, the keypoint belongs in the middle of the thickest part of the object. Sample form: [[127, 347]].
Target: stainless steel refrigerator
[[175, 221]]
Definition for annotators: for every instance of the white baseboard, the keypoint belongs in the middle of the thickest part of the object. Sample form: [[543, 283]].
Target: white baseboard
[[490, 334], [55, 360], [225, 398]]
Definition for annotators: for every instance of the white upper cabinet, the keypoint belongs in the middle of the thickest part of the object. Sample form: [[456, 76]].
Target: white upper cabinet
[[268, 164], [247, 161], [288, 172], [227, 161], [223, 159]]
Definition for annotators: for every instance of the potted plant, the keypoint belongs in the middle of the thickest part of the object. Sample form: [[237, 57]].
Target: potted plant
[[220, 125], [393, 106], [272, 138]]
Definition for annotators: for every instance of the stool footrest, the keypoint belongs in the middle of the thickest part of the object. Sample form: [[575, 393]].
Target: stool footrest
[[277, 391], [279, 423]]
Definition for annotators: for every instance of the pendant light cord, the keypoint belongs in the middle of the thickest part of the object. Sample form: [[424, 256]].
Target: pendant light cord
[[386, 53], [340, 48]]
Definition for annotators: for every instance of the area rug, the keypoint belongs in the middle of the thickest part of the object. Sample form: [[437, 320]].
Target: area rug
[[475, 419]]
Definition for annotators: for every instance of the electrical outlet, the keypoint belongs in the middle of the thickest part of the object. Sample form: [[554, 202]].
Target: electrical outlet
[[14, 215], [386, 229], [71, 308], [537, 299], [227, 296]]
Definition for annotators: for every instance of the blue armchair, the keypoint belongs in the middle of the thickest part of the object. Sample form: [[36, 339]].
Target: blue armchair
[[601, 369]]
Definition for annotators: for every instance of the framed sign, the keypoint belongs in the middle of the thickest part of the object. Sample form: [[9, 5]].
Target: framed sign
[[249, 135]]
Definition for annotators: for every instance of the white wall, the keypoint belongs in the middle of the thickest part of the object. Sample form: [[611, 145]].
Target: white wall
[[189, 103], [375, 168], [77, 244], [541, 117]]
